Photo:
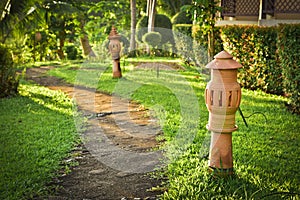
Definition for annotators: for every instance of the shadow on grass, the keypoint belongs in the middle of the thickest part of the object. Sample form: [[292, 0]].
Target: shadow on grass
[[34, 140]]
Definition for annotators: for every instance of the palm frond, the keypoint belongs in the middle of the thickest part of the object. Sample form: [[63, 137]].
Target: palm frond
[[14, 13]]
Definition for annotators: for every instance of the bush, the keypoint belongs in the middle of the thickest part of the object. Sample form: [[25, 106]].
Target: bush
[[153, 39], [182, 23], [192, 52], [289, 56], [255, 48], [270, 58], [185, 29], [181, 18], [184, 42], [39, 46], [72, 52], [162, 24], [125, 44], [8, 78]]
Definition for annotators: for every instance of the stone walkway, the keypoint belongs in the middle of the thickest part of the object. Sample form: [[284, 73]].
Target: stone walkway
[[117, 151]]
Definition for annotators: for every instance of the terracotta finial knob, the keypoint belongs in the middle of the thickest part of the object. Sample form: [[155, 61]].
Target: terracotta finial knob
[[113, 31], [223, 55], [223, 60]]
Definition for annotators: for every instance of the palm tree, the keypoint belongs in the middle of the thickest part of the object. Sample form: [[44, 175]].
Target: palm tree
[[14, 15]]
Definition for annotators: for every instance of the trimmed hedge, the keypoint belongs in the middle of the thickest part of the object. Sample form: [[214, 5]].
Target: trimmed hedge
[[255, 48], [288, 44], [185, 29], [162, 24], [153, 39], [270, 57], [8, 78], [181, 18]]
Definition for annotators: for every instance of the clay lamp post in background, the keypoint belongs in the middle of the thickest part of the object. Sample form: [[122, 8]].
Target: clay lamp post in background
[[38, 36], [37, 39], [115, 48], [222, 98]]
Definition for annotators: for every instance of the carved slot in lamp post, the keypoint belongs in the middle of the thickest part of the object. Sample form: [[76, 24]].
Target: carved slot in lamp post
[[115, 48], [222, 98]]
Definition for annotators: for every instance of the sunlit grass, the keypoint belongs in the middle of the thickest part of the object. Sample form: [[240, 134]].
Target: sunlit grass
[[266, 154], [37, 132], [153, 59]]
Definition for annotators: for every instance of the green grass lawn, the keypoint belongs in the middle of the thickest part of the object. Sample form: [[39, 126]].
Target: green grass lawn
[[37, 132], [266, 155]]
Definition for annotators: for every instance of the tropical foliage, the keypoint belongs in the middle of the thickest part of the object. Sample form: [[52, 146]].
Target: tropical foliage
[[255, 48], [14, 16], [8, 78]]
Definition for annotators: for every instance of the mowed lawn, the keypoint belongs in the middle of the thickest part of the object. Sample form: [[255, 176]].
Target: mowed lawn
[[38, 131], [266, 153]]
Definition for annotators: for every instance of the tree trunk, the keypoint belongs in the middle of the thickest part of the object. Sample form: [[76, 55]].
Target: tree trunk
[[85, 43], [133, 26], [211, 45], [62, 38], [148, 6], [87, 49], [151, 17]]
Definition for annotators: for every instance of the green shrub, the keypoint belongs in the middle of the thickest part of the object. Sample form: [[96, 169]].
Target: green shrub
[[162, 24], [8, 78], [255, 48], [153, 39], [38, 46], [182, 23], [185, 29], [288, 44], [192, 51], [72, 52], [181, 18], [184, 42], [125, 44], [270, 58]]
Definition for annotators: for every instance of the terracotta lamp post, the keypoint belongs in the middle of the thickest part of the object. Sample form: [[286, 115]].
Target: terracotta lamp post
[[222, 98], [115, 48], [38, 36]]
